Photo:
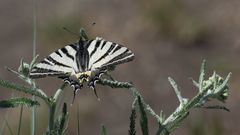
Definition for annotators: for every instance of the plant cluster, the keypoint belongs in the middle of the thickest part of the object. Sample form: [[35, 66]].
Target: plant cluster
[[214, 87]]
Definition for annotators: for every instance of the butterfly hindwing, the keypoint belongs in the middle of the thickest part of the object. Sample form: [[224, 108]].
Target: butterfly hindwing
[[60, 62]]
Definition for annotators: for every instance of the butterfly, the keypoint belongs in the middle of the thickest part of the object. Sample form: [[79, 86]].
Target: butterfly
[[82, 62]]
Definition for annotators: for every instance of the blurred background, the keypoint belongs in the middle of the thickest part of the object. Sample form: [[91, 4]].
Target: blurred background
[[168, 37]]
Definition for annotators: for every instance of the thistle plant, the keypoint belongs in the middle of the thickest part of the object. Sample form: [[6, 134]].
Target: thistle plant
[[215, 87], [56, 126]]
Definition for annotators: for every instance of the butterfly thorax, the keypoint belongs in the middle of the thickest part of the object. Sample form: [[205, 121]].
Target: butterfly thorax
[[83, 76]]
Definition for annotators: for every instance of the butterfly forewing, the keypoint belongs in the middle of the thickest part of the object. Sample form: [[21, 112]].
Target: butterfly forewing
[[105, 53], [60, 62]]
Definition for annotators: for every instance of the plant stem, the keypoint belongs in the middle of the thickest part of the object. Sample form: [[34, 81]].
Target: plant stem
[[8, 126], [52, 108], [20, 120], [33, 132], [33, 115], [4, 123], [78, 121], [34, 27], [52, 103]]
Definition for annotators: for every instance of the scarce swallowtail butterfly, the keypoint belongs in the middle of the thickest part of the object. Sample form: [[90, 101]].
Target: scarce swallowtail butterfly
[[82, 62]]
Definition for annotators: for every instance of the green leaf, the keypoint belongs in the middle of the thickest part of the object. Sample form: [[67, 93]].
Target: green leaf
[[133, 117], [182, 100], [33, 62], [143, 120], [24, 68], [15, 102], [103, 130], [18, 87], [115, 84], [202, 75]]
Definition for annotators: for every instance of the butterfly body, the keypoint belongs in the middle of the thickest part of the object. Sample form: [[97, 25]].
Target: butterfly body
[[84, 61]]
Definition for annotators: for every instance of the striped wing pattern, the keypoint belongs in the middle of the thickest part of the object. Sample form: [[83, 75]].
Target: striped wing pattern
[[60, 62], [104, 53], [91, 55]]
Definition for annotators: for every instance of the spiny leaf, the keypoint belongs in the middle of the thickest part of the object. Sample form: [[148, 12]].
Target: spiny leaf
[[133, 117], [33, 62], [24, 68], [202, 74], [115, 84], [103, 130], [15, 102], [21, 88], [143, 120]]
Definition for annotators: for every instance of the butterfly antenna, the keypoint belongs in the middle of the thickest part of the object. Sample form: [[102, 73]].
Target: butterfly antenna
[[70, 31]]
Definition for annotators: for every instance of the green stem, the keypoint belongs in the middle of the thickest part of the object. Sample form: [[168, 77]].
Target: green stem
[[34, 27], [20, 120], [78, 121], [8, 126], [52, 109], [4, 123], [33, 132]]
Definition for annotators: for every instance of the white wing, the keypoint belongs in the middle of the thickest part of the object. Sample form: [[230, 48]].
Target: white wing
[[60, 62], [105, 53]]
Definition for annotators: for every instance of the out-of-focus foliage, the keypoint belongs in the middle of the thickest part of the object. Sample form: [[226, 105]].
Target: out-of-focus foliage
[[174, 21]]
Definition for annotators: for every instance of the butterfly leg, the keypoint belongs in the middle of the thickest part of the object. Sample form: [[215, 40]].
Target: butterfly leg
[[93, 80], [92, 84], [74, 83]]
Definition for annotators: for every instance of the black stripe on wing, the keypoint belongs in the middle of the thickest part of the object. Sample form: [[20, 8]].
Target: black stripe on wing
[[58, 53], [65, 51], [55, 62], [110, 55], [46, 62], [126, 56], [123, 57], [106, 53], [96, 47], [42, 72], [117, 48], [104, 43]]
